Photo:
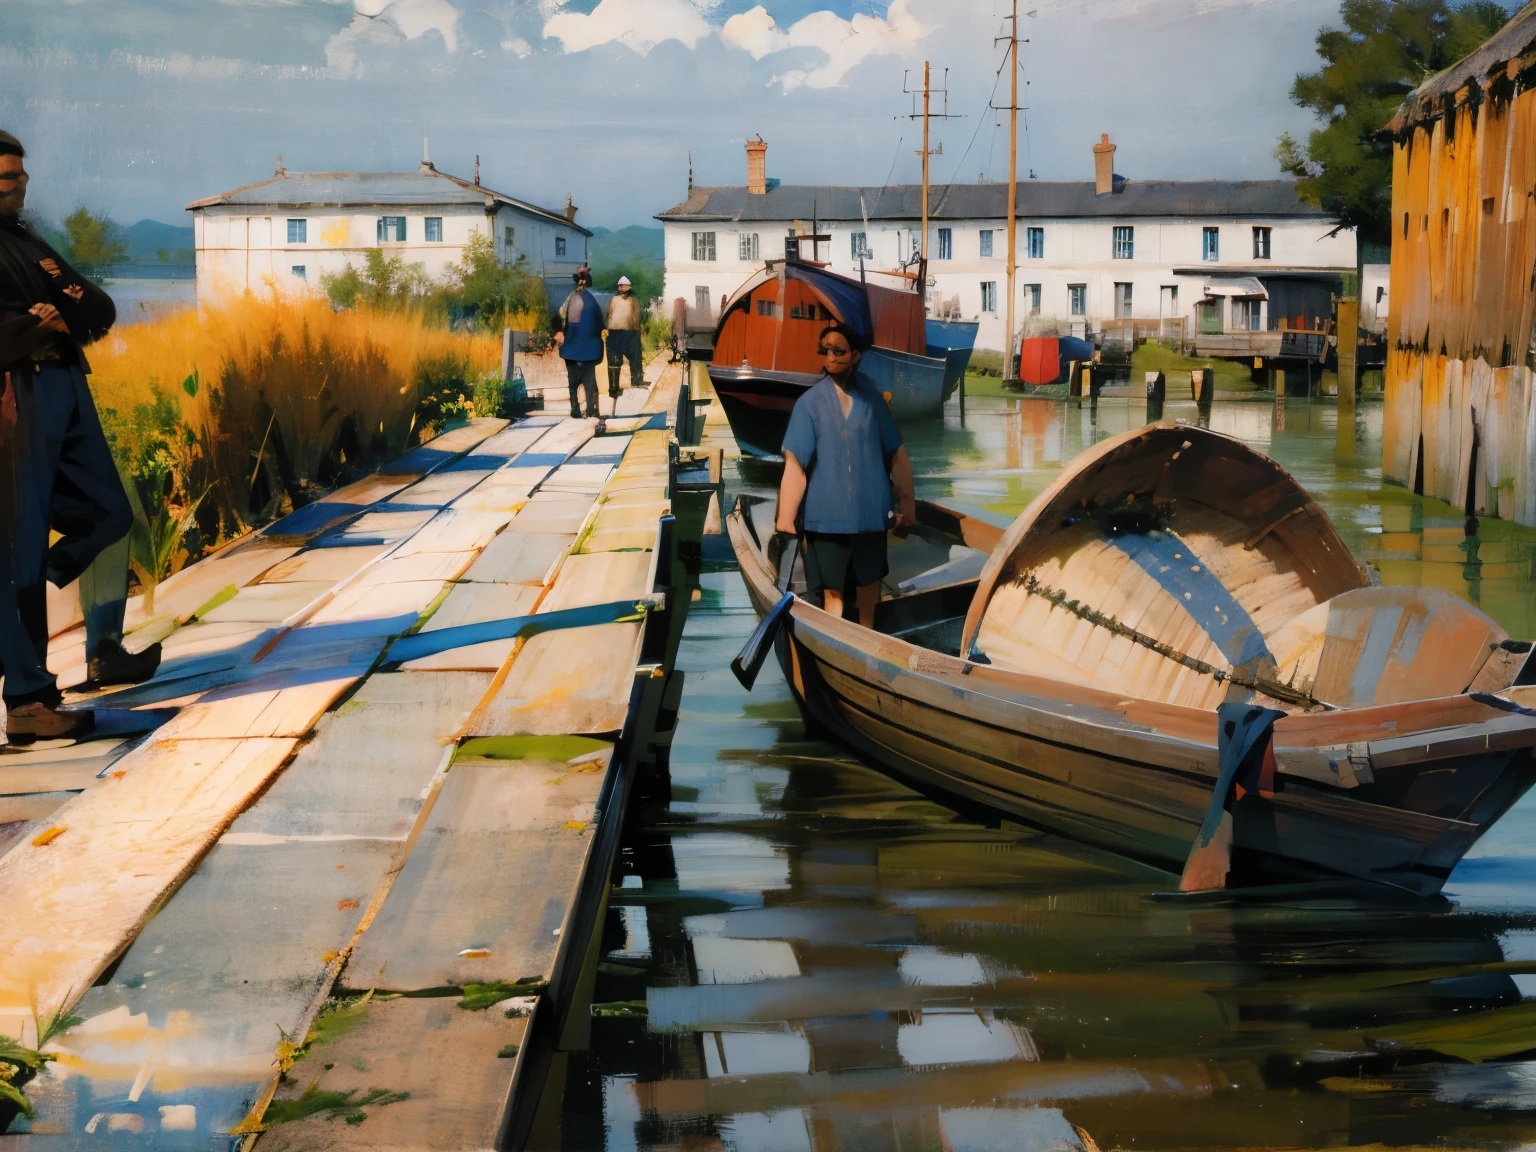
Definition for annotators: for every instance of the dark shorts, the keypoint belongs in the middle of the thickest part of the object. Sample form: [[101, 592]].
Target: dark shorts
[[843, 562]]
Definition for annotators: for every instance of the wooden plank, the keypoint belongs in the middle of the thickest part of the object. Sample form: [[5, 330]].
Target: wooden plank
[[379, 527], [446, 1057], [323, 564], [515, 832], [588, 478], [521, 558], [619, 540], [439, 566], [244, 950], [555, 512], [285, 705], [376, 609], [435, 491], [477, 603], [192, 587], [486, 657], [35, 806], [504, 491], [75, 901], [268, 603], [437, 452], [598, 578], [575, 681], [455, 531]]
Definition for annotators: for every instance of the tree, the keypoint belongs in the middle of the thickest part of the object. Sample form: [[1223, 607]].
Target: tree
[[484, 288], [1386, 49], [384, 282], [94, 242], [645, 276]]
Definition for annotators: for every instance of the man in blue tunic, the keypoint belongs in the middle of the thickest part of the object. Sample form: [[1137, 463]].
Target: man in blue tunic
[[844, 458], [580, 337]]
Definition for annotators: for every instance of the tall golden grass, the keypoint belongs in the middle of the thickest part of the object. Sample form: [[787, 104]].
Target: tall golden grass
[[282, 395]]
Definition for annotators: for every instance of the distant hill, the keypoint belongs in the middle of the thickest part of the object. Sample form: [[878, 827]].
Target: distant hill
[[149, 238]]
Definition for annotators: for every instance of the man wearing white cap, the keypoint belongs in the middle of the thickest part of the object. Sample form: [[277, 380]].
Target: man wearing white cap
[[624, 337]]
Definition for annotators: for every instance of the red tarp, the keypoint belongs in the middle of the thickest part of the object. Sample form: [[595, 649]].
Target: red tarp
[[1039, 360]]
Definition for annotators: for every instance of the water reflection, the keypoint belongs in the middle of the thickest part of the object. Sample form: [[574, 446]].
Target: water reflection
[[803, 954]]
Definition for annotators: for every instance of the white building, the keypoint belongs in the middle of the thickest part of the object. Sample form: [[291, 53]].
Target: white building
[[1224, 255], [290, 230]]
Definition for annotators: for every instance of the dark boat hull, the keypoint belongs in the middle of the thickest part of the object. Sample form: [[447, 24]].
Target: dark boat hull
[[952, 341], [1062, 764]]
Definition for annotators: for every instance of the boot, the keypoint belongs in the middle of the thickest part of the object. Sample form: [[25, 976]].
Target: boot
[[613, 380], [37, 721], [111, 663]]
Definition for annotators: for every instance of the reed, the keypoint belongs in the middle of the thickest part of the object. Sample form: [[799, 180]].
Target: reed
[[278, 397]]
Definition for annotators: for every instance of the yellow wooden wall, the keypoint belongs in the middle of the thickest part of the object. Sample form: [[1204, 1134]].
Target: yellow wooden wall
[[1459, 331]]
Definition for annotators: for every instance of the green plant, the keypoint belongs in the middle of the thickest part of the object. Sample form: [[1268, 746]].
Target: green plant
[[157, 544], [655, 334], [320, 1102], [19, 1065], [384, 282], [95, 243]]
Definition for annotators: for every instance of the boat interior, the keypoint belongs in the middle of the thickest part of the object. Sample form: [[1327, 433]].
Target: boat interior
[[1175, 565]]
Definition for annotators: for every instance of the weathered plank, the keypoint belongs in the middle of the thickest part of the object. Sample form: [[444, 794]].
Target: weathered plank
[[576, 681], [74, 901], [268, 603], [455, 531], [554, 512], [598, 578], [476, 603], [328, 564], [521, 558], [420, 566], [515, 831]]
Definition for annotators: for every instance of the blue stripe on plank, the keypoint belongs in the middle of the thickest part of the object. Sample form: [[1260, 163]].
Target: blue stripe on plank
[[540, 460], [1182, 574]]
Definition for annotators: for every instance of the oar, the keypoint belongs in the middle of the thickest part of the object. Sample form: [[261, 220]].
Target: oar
[[749, 661], [515, 627], [1242, 732]]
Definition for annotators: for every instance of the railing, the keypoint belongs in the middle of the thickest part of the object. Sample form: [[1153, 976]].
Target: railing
[[1168, 328]]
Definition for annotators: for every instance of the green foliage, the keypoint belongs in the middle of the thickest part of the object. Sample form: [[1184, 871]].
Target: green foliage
[[483, 289], [479, 997], [655, 334], [646, 277], [384, 282], [19, 1065], [1385, 49], [94, 242], [319, 1102]]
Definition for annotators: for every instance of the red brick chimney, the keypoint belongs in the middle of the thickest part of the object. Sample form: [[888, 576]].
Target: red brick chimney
[[1103, 166], [757, 167]]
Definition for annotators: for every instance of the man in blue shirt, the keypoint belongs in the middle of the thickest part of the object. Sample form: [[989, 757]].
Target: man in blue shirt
[[580, 337], [844, 458]]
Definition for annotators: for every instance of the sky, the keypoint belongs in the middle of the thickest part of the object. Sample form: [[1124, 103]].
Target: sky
[[137, 107]]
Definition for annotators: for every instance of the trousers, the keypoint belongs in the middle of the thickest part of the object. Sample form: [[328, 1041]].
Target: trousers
[[624, 345], [62, 477], [581, 374]]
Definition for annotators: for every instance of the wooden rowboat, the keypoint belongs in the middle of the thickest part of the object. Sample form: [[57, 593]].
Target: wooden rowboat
[[765, 349], [1166, 571]]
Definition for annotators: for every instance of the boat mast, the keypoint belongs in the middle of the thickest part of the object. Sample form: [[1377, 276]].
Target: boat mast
[[927, 94], [1010, 369]]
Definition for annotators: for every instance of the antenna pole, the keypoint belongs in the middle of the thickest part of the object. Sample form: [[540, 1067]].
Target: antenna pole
[[1010, 369], [927, 94]]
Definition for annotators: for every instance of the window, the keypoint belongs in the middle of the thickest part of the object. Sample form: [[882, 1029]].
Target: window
[[767, 307], [434, 229], [1032, 299], [1246, 315], [508, 234], [701, 297], [1261, 242], [986, 242], [1125, 242], [1035, 243], [1077, 299], [989, 295], [1210, 243], [859, 243], [298, 270], [704, 246], [747, 246], [946, 244], [298, 231], [391, 228], [1122, 301], [560, 246]]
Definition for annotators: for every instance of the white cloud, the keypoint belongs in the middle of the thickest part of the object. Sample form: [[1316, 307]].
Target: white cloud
[[637, 24], [844, 43], [418, 17]]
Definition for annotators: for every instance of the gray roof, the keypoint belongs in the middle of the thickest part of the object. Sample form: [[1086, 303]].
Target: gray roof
[[1045, 198], [371, 190], [1427, 102]]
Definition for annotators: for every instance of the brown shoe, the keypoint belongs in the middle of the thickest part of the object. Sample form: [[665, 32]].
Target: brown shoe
[[28, 722]]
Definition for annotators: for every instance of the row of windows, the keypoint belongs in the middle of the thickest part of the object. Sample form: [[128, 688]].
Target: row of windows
[[1077, 298], [1123, 240], [392, 230]]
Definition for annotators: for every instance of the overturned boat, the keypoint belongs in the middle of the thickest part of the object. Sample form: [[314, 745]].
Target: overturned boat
[[1067, 671], [765, 349]]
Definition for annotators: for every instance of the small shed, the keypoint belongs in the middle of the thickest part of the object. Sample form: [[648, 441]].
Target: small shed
[[1460, 421]]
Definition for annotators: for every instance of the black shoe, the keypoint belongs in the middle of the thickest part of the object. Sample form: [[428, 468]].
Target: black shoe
[[27, 723], [575, 412], [114, 664]]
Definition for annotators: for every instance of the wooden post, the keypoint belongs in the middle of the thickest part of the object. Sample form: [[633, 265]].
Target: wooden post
[[1349, 335], [506, 355], [1157, 390]]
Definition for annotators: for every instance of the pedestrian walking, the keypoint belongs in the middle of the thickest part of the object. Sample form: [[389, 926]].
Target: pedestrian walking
[[845, 461], [59, 471], [580, 337], [624, 337]]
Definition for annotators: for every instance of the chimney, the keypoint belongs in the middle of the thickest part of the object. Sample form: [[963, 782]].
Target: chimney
[[757, 167], [1103, 166], [570, 210]]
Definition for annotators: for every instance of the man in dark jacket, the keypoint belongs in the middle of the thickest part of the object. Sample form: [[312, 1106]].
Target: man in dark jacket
[[580, 336], [59, 470]]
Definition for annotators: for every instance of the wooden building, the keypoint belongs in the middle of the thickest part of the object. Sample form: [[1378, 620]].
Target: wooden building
[[1460, 419]]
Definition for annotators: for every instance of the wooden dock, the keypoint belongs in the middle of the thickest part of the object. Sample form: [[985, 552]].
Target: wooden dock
[[305, 892]]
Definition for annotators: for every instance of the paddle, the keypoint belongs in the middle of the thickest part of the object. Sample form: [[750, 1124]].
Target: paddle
[[749, 661], [446, 639], [1243, 738]]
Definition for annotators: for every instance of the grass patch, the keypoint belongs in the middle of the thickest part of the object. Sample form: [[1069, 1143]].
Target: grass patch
[[559, 749], [320, 1102], [479, 997], [1231, 375], [507, 1052], [630, 1009], [339, 1016]]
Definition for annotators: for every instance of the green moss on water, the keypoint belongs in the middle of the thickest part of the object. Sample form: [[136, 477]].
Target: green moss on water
[[1231, 375], [554, 748]]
